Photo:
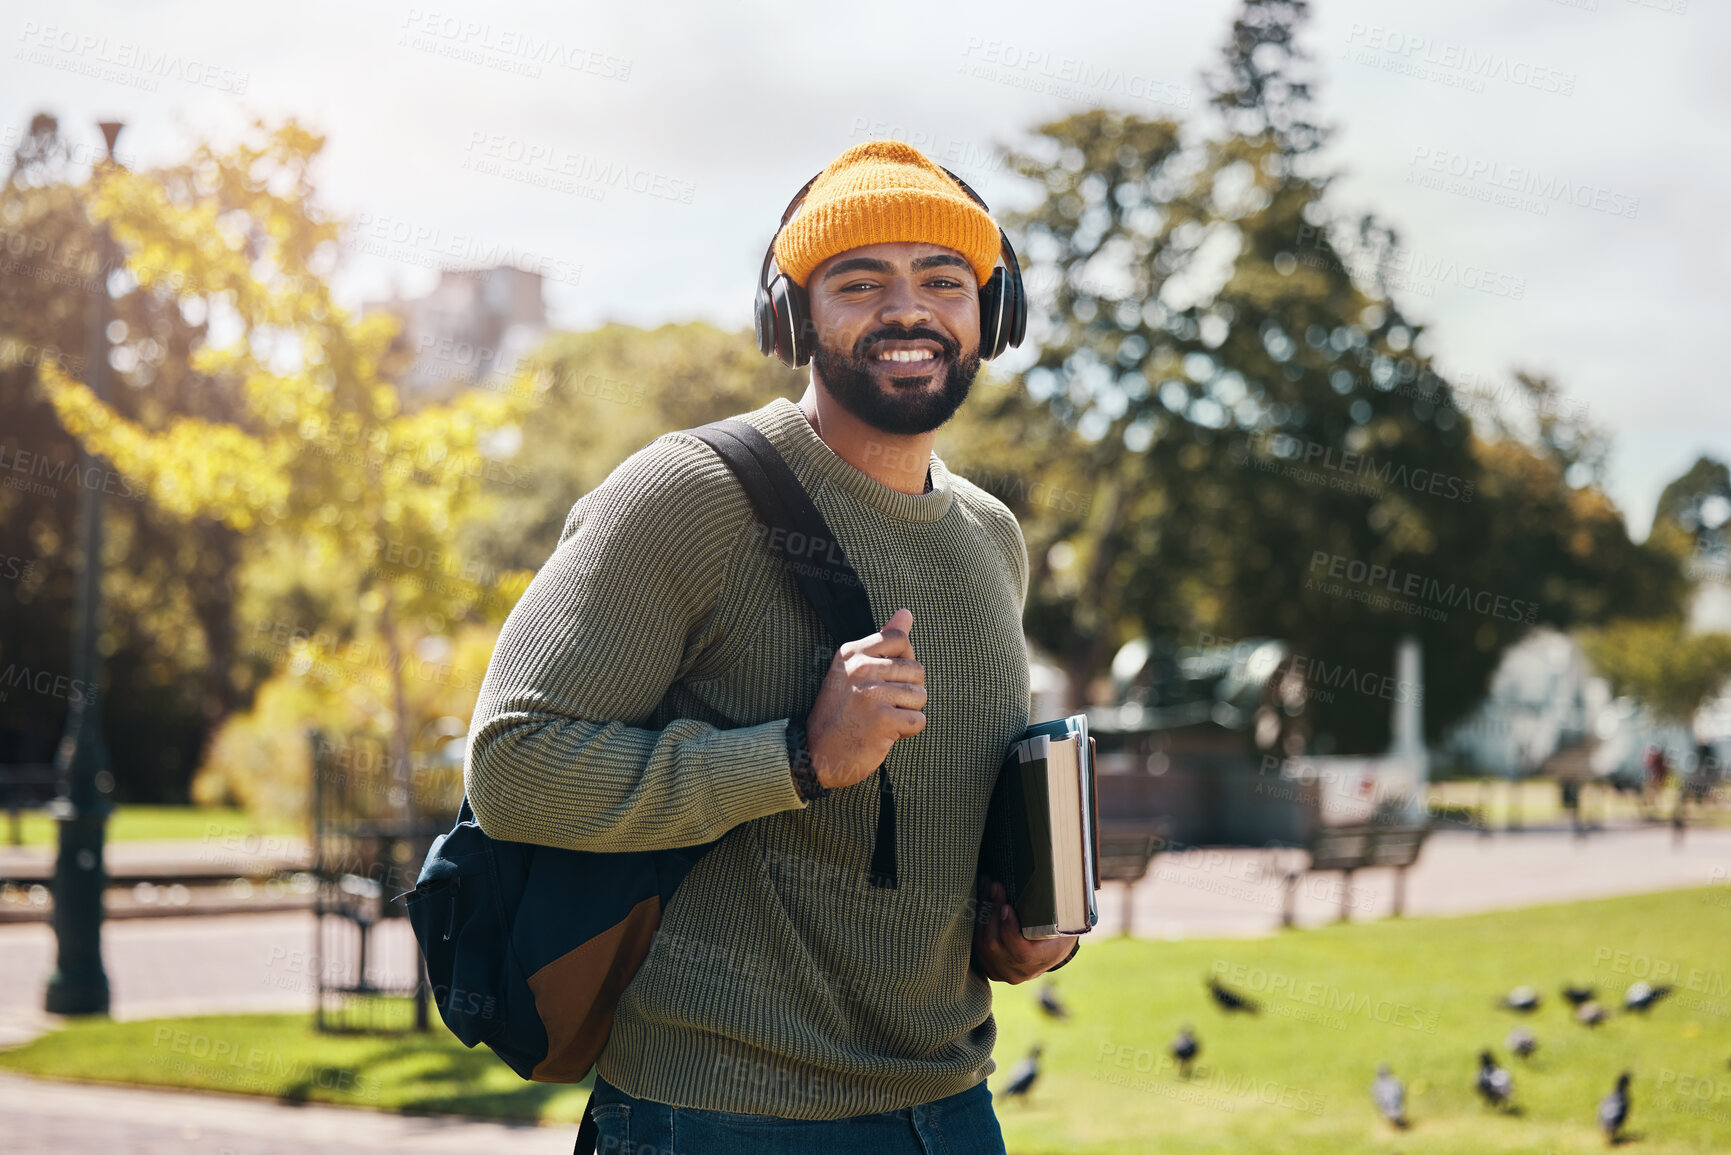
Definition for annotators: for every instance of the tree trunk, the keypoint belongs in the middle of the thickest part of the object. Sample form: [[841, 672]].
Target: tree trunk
[[215, 613], [1093, 646]]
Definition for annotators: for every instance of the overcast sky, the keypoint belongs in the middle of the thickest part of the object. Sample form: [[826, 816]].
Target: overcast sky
[[459, 131]]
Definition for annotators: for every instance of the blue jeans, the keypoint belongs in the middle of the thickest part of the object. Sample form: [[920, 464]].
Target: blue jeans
[[959, 1124]]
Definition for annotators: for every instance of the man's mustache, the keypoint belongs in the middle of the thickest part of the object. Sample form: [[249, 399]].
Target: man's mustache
[[949, 347]]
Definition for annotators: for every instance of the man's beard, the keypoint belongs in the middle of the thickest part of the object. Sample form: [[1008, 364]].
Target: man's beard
[[904, 405]]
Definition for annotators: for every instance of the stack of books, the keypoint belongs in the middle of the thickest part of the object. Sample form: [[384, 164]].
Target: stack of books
[[1042, 836]]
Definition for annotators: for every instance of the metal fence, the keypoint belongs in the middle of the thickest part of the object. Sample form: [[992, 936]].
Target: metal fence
[[373, 822]]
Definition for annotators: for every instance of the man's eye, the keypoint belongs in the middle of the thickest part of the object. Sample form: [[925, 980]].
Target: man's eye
[[856, 285]]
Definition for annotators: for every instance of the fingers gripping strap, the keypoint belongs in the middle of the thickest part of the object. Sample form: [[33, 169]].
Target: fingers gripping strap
[[819, 567]]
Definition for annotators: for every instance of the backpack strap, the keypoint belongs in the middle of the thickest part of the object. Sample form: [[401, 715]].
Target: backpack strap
[[588, 1131], [819, 566]]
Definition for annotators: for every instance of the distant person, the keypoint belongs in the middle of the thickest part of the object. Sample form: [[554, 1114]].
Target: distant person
[[1657, 773], [654, 688], [1571, 791], [1696, 784], [1707, 765]]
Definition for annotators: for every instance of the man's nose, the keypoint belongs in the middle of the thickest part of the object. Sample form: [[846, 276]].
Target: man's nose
[[903, 306]]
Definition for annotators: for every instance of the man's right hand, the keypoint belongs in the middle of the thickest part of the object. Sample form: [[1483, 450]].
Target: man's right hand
[[873, 694]]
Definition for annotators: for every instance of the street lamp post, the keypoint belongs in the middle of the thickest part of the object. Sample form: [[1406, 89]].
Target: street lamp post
[[79, 985]]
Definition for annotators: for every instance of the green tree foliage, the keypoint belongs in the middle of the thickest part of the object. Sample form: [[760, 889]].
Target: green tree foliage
[[262, 760], [1659, 661], [1115, 221], [311, 449], [604, 394], [1693, 517], [168, 636], [1669, 670], [1552, 531], [1267, 447]]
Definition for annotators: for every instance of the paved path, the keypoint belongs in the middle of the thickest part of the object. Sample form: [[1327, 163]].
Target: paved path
[[182, 966], [1238, 894], [224, 853], [177, 966], [48, 1118]]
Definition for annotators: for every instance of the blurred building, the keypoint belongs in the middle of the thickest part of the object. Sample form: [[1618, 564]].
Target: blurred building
[[475, 326], [1543, 698], [1210, 742], [1547, 712]]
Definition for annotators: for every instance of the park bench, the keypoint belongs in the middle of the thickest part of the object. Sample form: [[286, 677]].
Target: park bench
[[1354, 847], [1126, 849], [1133, 829], [26, 786]]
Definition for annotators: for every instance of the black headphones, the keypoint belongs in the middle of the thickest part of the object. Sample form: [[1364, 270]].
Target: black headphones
[[784, 327]]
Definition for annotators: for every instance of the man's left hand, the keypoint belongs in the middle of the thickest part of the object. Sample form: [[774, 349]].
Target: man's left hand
[[998, 943]]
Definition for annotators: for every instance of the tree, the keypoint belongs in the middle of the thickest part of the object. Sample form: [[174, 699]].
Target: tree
[[310, 445], [169, 633], [1201, 359], [1552, 531], [1258, 419], [602, 395], [1693, 517], [1669, 670], [1114, 223], [1657, 659]]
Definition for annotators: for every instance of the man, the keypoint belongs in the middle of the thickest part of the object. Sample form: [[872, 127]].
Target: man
[[663, 681]]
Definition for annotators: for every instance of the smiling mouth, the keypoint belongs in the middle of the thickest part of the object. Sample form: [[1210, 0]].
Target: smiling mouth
[[906, 361]]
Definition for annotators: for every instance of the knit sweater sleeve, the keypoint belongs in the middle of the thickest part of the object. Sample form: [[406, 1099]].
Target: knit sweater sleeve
[[558, 754]]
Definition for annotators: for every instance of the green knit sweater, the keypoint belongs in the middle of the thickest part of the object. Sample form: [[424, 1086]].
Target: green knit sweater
[[638, 699]]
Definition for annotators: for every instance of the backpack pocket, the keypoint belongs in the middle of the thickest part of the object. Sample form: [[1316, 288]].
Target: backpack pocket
[[458, 916]]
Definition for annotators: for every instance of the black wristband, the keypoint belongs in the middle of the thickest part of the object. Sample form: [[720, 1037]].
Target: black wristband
[[799, 760]]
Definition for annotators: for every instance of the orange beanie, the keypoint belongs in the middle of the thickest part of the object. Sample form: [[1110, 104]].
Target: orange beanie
[[884, 190]]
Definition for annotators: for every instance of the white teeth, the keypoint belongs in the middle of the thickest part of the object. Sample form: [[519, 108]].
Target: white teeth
[[904, 355]]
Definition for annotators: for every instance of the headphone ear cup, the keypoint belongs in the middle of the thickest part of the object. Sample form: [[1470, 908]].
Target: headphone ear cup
[[782, 348], [1016, 310], [764, 315], [991, 316], [799, 324], [789, 318]]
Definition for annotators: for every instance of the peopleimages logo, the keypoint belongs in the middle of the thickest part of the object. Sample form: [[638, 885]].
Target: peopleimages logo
[[413, 243], [1520, 180], [543, 162], [47, 683], [1458, 65], [1384, 472], [1274, 984], [1320, 677], [1407, 268], [1378, 578]]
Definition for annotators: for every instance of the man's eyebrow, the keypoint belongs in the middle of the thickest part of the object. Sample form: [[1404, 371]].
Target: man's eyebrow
[[873, 265], [856, 264], [933, 262]]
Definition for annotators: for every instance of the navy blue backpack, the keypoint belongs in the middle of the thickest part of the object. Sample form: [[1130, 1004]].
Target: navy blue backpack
[[528, 948]]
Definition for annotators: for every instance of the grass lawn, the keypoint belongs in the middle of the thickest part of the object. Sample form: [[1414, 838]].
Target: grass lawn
[[281, 1056], [1419, 994], [140, 823]]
